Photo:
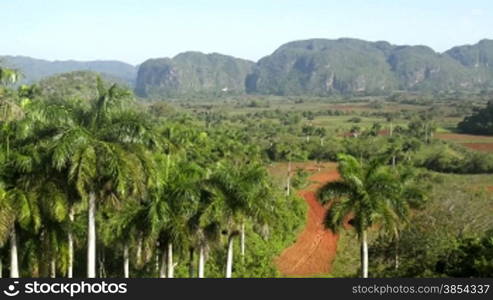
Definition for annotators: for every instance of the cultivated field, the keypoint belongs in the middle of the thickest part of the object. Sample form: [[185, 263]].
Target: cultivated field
[[475, 142]]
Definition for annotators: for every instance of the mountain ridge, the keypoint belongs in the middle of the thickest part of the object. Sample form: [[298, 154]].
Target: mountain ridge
[[34, 69], [320, 67]]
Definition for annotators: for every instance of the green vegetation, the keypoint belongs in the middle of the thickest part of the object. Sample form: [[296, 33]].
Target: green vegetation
[[316, 67], [481, 122], [441, 236], [370, 195], [94, 182], [35, 70], [79, 85], [348, 66], [192, 73], [130, 190]]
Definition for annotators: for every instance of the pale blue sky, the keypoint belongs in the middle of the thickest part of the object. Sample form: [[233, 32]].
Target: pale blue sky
[[133, 31]]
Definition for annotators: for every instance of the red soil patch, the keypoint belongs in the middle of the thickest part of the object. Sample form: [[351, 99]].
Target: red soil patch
[[324, 177], [490, 188], [483, 147], [315, 249], [384, 132], [460, 136]]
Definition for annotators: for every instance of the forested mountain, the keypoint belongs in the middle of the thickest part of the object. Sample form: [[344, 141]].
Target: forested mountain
[[75, 85], [477, 58], [191, 73], [34, 70], [319, 67], [324, 67]]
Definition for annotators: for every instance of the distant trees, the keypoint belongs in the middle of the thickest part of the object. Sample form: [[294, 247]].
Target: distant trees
[[449, 158], [449, 235], [481, 122], [472, 257]]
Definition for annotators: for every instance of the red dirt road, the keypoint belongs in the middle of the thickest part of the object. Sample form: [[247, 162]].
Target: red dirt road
[[315, 248]]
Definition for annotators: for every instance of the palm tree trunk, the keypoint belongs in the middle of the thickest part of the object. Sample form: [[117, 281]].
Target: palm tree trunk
[[156, 263], [14, 263], [53, 267], [191, 271], [101, 268], [288, 184], [229, 261], [139, 248], [201, 261], [242, 239], [126, 261], [162, 270], [70, 266], [396, 253], [91, 237], [364, 255], [171, 266]]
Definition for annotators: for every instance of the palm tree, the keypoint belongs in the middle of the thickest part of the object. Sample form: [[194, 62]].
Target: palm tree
[[103, 149], [205, 225], [19, 203], [245, 194], [370, 193], [18, 207], [19, 211], [124, 227], [6, 216], [181, 191], [8, 76]]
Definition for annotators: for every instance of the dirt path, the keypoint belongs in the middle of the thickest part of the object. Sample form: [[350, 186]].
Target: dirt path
[[315, 248]]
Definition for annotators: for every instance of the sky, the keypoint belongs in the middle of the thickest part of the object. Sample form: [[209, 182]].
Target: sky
[[133, 31]]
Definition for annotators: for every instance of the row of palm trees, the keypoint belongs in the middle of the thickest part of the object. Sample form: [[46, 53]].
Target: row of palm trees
[[144, 187]]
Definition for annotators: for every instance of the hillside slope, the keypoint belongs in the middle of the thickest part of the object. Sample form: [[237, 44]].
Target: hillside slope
[[34, 70], [191, 73]]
